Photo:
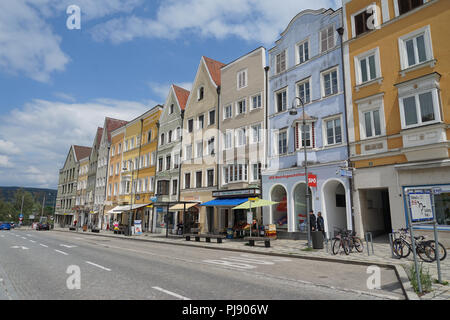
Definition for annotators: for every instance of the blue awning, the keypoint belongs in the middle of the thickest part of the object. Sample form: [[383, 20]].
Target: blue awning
[[225, 202]]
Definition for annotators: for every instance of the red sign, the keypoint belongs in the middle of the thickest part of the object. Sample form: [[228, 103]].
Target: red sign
[[312, 180]]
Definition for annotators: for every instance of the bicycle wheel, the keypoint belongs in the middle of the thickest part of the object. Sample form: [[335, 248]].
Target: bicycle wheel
[[346, 246], [432, 253], [336, 246], [408, 249], [397, 248], [426, 252], [358, 244]]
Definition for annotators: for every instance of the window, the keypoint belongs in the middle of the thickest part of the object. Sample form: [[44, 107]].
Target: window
[[280, 62], [201, 122], [415, 48], [241, 137], [160, 164], [198, 179], [200, 93], [405, 6], [304, 91], [242, 79], [308, 136], [303, 52], [153, 158], [419, 109], [211, 146], [256, 102], [113, 149], [171, 108], [212, 117], [176, 161], [169, 137], [281, 100], [363, 21], [372, 123], [151, 185], [227, 112], [282, 142], [120, 148], [189, 152], [256, 171], [256, 133], [327, 38], [329, 83], [333, 131], [115, 189], [147, 160], [117, 169], [187, 180], [200, 149], [228, 140], [190, 125], [210, 175], [168, 162], [174, 187], [235, 173], [178, 133], [163, 188], [162, 139], [240, 107], [367, 66], [132, 143]]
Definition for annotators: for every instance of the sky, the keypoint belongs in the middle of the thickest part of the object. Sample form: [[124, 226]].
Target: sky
[[57, 84]]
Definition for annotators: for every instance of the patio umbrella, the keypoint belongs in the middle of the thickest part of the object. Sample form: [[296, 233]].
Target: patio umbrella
[[255, 204]]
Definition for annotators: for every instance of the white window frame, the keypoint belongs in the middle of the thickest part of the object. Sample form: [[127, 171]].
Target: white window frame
[[230, 106], [300, 135], [358, 72], [208, 144], [277, 139], [253, 178], [198, 121], [186, 152], [237, 107], [426, 31], [228, 138], [245, 78], [238, 136], [198, 92], [252, 107], [325, 134], [285, 62], [302, 82], [276, 99], [209, 116], [259, 136], [332, 26], [322, 81], [436, 108], [376, 15], [297, 53], [197, 149]]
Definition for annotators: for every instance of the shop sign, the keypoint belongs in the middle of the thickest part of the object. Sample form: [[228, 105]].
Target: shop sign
[[312, 180], [346, 173], [159, 209], [249, 217], [229, 193], [421, 206], [138, 227]]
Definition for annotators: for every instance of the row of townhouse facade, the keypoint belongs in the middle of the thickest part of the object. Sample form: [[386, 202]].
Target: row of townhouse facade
[[358, 95]]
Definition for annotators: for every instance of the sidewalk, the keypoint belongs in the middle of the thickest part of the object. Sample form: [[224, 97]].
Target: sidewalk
[[381, 256]]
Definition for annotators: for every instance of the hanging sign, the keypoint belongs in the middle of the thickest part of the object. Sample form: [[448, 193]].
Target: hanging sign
[[312, 180]]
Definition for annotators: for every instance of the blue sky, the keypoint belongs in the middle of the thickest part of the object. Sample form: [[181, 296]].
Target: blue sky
[[57, 85]]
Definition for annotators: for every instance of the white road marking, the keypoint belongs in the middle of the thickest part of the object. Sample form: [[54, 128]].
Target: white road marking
[[33, 241], [67, 246], [24, 238], [171, 293], [43, 245], [98, 266], [19, 247], [29, 235], [62, 252]]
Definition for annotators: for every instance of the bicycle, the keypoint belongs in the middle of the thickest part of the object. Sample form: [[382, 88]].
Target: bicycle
[[339, 241], [424, 249], [354, 242]]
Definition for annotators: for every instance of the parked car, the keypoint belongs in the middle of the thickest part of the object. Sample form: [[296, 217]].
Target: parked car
[[42, 226], [5, 226], [13, 225]]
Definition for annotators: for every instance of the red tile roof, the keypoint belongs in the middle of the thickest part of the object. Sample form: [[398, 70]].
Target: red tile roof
[[113, 124], [82, 152], [214, 69], [182, 96]]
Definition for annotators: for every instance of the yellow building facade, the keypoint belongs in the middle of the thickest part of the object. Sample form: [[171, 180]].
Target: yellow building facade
[[396, 57]]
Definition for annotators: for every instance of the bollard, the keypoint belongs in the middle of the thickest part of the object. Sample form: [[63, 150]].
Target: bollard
[[391, 242]]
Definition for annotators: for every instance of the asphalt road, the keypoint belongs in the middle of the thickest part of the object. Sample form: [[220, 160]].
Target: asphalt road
[[40, 265]]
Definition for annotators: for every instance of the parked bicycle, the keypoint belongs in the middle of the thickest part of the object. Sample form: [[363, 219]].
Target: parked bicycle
[[340, 241], [425, 249], [354, 242]]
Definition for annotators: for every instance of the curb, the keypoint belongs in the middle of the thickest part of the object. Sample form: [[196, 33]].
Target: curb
[[402, 277]]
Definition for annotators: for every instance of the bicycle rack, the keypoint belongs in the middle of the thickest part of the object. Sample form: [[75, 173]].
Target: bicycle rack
[[367, 236], [391, 242]]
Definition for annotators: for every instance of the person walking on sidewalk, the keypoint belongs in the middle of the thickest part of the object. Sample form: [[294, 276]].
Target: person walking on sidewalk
[[320, 223], [312, 221]]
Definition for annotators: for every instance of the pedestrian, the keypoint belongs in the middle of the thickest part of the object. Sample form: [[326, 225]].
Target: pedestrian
[[320, 223], [312, 221]]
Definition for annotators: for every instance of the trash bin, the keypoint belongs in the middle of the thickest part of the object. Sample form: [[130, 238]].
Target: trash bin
[[317, 239]]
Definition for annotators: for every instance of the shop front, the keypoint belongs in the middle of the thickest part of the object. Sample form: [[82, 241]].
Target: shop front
[[228, 221], [328, 193]]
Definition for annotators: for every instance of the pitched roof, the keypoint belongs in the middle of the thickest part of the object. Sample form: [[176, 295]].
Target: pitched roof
[[182, 96], [99, 135], [113, 124], [82, 152], [214, 69]]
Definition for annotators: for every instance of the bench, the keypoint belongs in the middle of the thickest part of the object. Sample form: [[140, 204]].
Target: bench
[[207, 237], [72, 228], [251, 241], [95, 230]]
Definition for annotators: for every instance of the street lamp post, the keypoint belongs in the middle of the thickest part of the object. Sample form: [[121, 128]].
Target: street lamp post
[[293, 112]]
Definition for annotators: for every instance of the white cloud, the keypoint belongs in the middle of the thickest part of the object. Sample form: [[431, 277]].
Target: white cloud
[[260, 20], [44, 131], [8, 147], [29, 45], [162, 89]]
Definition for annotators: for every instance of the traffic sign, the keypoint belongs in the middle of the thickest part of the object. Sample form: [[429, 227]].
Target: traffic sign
[[345, 173]]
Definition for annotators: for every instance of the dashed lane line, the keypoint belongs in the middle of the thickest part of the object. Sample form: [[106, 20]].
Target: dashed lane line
[[98, 266], [171, 293], [62, 252]]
